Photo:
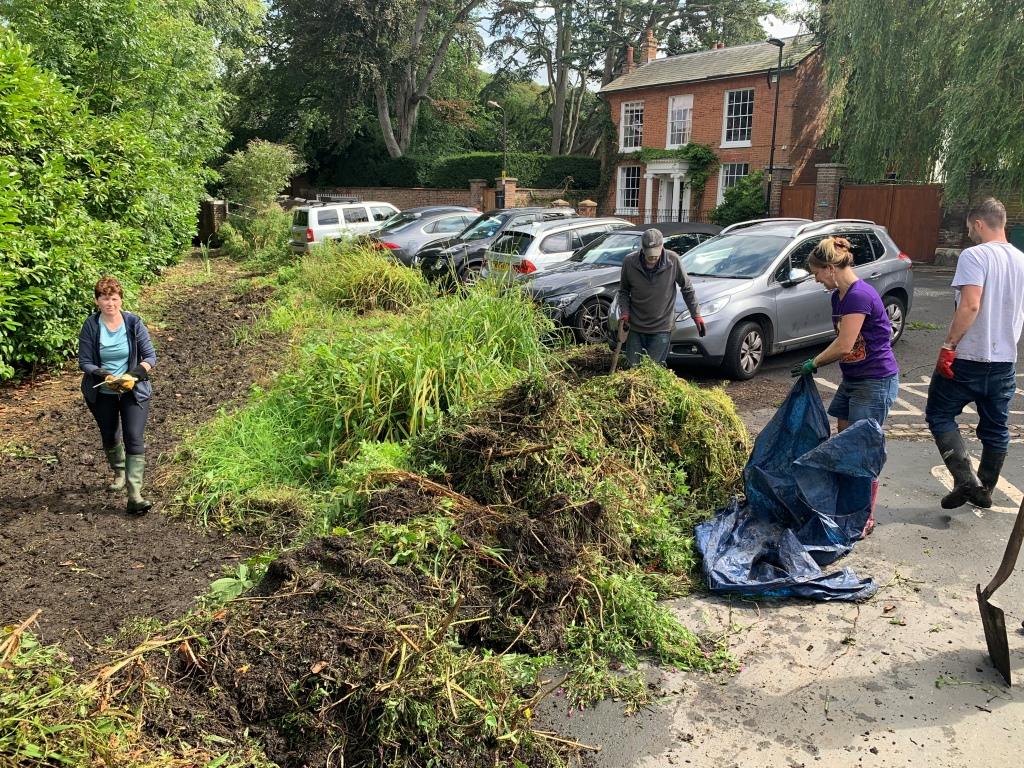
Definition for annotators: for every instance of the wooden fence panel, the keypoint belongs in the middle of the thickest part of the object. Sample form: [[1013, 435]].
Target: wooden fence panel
[[798, 201], [911, 212]]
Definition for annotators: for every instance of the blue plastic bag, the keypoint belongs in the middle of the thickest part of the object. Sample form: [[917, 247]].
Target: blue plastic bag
[[808, 498]]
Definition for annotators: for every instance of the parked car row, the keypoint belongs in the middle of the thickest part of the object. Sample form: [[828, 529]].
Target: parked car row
[[756, 293]]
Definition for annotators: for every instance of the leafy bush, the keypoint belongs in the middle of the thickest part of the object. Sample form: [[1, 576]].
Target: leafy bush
[[744, 200], [255, 175], [258, 237], [80, 196]]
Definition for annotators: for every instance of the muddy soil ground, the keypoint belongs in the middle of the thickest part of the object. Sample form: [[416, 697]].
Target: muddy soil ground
[[66, 545]]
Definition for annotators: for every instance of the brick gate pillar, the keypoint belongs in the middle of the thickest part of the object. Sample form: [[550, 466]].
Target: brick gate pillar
[[509, 185], [783, 175], [826, 195], [476, 193]]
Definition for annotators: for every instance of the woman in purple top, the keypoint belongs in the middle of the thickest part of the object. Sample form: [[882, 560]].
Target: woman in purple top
[[863, 343]]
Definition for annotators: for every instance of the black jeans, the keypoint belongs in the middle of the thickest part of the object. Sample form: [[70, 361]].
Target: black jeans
[[116, 413]]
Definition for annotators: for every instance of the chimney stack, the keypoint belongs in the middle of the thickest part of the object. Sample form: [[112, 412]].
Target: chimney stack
[[650, 47], [630, 66]]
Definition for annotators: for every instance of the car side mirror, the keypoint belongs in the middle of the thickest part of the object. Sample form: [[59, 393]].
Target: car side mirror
[[796, 275]]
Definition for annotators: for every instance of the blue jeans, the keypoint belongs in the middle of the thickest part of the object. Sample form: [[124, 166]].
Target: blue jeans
[[654, 345], [865, 399], [990, 386]]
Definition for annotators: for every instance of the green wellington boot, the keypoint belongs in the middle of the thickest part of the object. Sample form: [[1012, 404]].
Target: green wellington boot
[[135, 470], [115, 458]]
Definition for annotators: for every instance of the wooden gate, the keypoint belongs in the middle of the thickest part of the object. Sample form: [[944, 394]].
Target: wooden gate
[[797, 201], [911, 213]]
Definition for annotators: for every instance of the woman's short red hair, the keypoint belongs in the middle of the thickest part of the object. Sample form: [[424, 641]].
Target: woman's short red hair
[[107, 286]]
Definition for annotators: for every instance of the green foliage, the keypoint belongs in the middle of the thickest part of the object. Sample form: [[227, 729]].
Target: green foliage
[[916, 85], [256, 175], [362, 279], [258, 237], [733, 22], [80, 196], [703, 162], [743, 200], [529, 169]]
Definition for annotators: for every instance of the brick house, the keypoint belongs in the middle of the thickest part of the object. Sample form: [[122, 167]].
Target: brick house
[[720, 98]]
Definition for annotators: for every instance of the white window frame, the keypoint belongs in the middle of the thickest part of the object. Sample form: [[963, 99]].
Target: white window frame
[[721, 178], [682, 102], [725, 119], [632, 105], [620, 207]]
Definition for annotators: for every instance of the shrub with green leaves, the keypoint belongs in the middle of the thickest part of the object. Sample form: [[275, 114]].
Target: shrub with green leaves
[[80, 196], [254, 176], [743, 200], [258, 236]]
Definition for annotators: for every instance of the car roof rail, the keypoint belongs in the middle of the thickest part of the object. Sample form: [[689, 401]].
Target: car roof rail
[[752, 222], [831, 222]]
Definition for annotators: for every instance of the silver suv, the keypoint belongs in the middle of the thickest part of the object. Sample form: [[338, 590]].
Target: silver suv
[[758, 297], [527, 248]]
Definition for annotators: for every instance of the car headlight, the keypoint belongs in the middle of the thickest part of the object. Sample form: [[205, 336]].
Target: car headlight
[[707, 309], [562, 301]]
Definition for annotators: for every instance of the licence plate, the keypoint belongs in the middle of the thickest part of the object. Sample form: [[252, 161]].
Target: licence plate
[[499, 266]]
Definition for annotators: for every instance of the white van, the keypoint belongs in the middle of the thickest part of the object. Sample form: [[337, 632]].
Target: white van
[[526, 248], [317, 223]]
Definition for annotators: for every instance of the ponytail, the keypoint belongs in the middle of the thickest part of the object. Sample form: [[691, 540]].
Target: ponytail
[[831, 252]]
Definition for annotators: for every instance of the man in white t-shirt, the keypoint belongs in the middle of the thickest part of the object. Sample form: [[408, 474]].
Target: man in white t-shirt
[[977, 362]]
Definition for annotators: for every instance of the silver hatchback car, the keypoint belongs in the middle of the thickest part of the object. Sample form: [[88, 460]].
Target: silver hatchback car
[[758, 297]]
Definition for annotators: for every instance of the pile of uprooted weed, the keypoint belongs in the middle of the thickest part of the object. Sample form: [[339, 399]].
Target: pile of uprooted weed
[[541, 527]]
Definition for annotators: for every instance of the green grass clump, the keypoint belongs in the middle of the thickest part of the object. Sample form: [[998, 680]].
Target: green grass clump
[[378, 378], [361, 279], [258, 237]]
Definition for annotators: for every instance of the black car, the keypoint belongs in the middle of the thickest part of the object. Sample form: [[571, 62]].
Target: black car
[[460, 259], [577, 294]]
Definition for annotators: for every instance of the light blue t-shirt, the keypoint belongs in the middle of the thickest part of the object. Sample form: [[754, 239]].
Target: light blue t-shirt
[[999, 269], [113, 351]]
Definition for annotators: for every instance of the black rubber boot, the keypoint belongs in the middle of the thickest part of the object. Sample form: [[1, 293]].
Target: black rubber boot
[[966, 487], [988, 474]]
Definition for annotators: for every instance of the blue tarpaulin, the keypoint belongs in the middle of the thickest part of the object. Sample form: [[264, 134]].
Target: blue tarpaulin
[[808, 497]]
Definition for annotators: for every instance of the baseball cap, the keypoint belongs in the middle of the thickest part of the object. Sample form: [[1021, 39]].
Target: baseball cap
[[652, 241]]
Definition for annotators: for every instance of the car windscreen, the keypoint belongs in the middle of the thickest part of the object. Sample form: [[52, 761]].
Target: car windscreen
[[399, 222], [734, 255], [483, 226], [610, 251]]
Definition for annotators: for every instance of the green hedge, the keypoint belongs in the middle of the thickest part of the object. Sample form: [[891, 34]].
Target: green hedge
[[530, 169], [80, 196]]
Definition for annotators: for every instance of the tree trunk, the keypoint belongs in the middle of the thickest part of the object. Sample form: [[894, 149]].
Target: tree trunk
[[384, 118]]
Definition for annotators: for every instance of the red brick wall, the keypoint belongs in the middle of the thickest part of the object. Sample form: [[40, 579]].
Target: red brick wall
[[799, 129], [400, 197]]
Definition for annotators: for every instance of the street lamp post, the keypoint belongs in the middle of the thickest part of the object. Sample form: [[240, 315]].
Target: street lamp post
[[504, 137], [775, 117]]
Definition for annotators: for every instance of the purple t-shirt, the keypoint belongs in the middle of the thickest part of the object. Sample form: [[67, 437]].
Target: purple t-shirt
[[871, 357]]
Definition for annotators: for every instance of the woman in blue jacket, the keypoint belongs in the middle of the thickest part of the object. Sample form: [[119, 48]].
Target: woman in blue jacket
[[116, 355]]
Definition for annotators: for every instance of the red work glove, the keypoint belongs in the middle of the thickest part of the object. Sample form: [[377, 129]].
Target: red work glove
[[701, 328], [945, 365]]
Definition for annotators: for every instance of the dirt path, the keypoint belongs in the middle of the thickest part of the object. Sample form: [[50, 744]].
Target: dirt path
[[66, 545]]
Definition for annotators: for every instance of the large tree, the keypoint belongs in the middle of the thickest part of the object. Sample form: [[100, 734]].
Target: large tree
[[928, 88], [574, 44]]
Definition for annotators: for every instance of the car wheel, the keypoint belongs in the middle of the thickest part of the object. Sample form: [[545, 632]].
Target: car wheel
[[591, 322], [896, 309], [471, 274], [745, 351]]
